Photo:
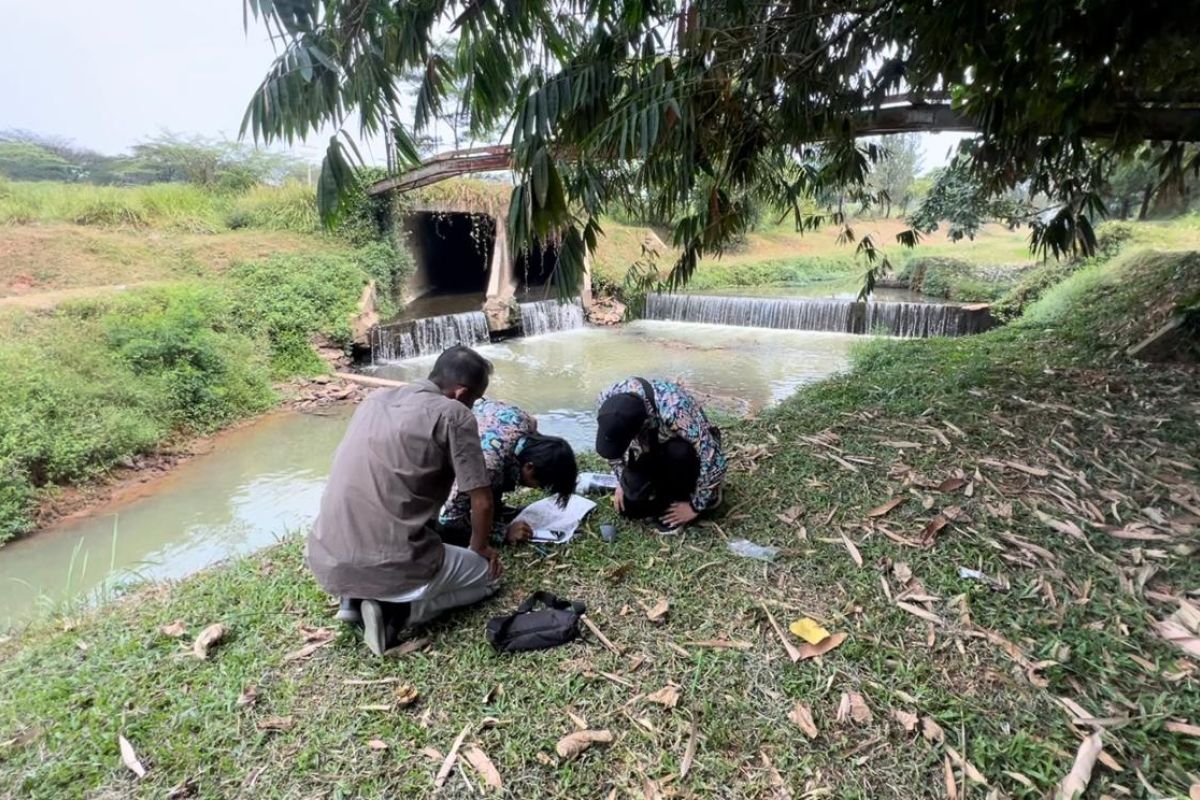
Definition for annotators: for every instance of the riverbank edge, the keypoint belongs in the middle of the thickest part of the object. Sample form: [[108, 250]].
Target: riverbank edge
[[139, 475], [978, 668]]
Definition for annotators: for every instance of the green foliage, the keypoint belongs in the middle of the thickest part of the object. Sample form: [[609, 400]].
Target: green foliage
[[712, 111], [26, 161], [289, 298], [1111, 237], [289, 207], [182, 342], [893, 176], [97, 382], [955, 279]]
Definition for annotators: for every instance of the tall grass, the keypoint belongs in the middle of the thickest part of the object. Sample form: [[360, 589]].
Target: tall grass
[[170, 206]]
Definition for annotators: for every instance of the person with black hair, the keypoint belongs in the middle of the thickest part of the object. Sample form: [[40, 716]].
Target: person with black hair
[[375, 542], [515, 455], [665, 453]]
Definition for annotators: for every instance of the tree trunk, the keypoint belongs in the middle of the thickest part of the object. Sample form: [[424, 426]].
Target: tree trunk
[[1125, 208], [1147, 193]]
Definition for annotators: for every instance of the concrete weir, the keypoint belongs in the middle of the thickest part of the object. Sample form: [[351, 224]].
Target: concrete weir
[[840, 316]]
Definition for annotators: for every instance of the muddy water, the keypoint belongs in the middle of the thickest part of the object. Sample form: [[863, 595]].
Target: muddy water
[[266, 479], [737, 370]]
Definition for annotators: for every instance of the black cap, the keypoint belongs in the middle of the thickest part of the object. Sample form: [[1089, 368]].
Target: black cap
[[620, 419]]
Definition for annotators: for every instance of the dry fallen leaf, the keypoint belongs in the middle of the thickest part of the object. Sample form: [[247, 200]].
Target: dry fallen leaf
[[932, 731], [307, 650], [575, 743], [967, 767], [448, 764], [248, 697], [948, 773], [129, 757], [689, 754], [854, 707], [209, 638], [377, 744], [433, 754], [1077, 780], [790, 515], [854, 554], [1069, 528], [1183, 728], [907, 719], [813, 650], [930, 531], [174, 630], [1182, 628], [809, 630], [658, 612], [667, 696], [951, 485], [1194, 792], [902, 572], [802, 717], [484, 766], [275, 724], [406, 694], [311, 634], [887, 507], [917, 611], [578, 721]]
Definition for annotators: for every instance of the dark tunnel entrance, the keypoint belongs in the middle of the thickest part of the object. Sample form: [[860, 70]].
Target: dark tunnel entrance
[[534, 270], [453, 251]]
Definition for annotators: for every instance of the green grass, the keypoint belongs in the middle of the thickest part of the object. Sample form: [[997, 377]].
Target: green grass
[[1051, 392], [94, 382], [171, 206]]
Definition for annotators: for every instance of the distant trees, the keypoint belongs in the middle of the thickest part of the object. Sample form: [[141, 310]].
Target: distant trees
[[164, 158], [891, 178]]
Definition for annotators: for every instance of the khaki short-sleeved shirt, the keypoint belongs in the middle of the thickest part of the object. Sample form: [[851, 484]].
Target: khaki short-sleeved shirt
[[403, 451]]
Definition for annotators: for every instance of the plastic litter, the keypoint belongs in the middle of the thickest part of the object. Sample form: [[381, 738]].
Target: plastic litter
[[608, 532], [966, 573], [748, 549], [595, 482]]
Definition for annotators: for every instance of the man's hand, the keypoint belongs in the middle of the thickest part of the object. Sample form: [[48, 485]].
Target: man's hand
[[496, 569], [680, 514], [619, 499], [518, 531]]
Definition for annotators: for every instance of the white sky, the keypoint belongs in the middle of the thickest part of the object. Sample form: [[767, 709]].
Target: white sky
[[108, 73]]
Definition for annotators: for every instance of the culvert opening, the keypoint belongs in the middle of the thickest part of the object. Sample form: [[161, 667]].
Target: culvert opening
[[453, 252], [534, 270]]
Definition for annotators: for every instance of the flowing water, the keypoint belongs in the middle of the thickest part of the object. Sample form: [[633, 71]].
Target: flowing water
[[550, 316], [265, 479], [428, 335], [812, 314]]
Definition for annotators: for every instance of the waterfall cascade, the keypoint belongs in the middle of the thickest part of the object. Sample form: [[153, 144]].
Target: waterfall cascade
[[844, 316], [548, 316], [428, 336]]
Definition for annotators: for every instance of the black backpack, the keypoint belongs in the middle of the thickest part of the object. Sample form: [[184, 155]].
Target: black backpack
[[526, 629]]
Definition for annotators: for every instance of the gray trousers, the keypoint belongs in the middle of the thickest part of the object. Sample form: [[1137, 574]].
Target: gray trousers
[[463, 579]]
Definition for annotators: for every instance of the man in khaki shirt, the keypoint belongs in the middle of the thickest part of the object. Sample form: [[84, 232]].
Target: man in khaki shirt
[[375, 538]]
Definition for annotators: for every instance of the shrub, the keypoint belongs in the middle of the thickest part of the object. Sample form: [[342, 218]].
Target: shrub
[[180, 340], [955, 279], [1110, 238], [290, 298]]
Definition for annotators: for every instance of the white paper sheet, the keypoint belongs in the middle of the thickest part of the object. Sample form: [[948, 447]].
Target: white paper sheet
[[554, 525]]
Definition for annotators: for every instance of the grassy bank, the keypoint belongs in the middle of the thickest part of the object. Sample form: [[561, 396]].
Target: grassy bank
[[131, 317], [93, 383], [1037, 454]]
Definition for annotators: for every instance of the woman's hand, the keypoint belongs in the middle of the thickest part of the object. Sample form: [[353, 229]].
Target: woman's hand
[[680, 514]]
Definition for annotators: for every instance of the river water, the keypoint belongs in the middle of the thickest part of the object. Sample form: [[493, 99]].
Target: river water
[[261, 481]]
